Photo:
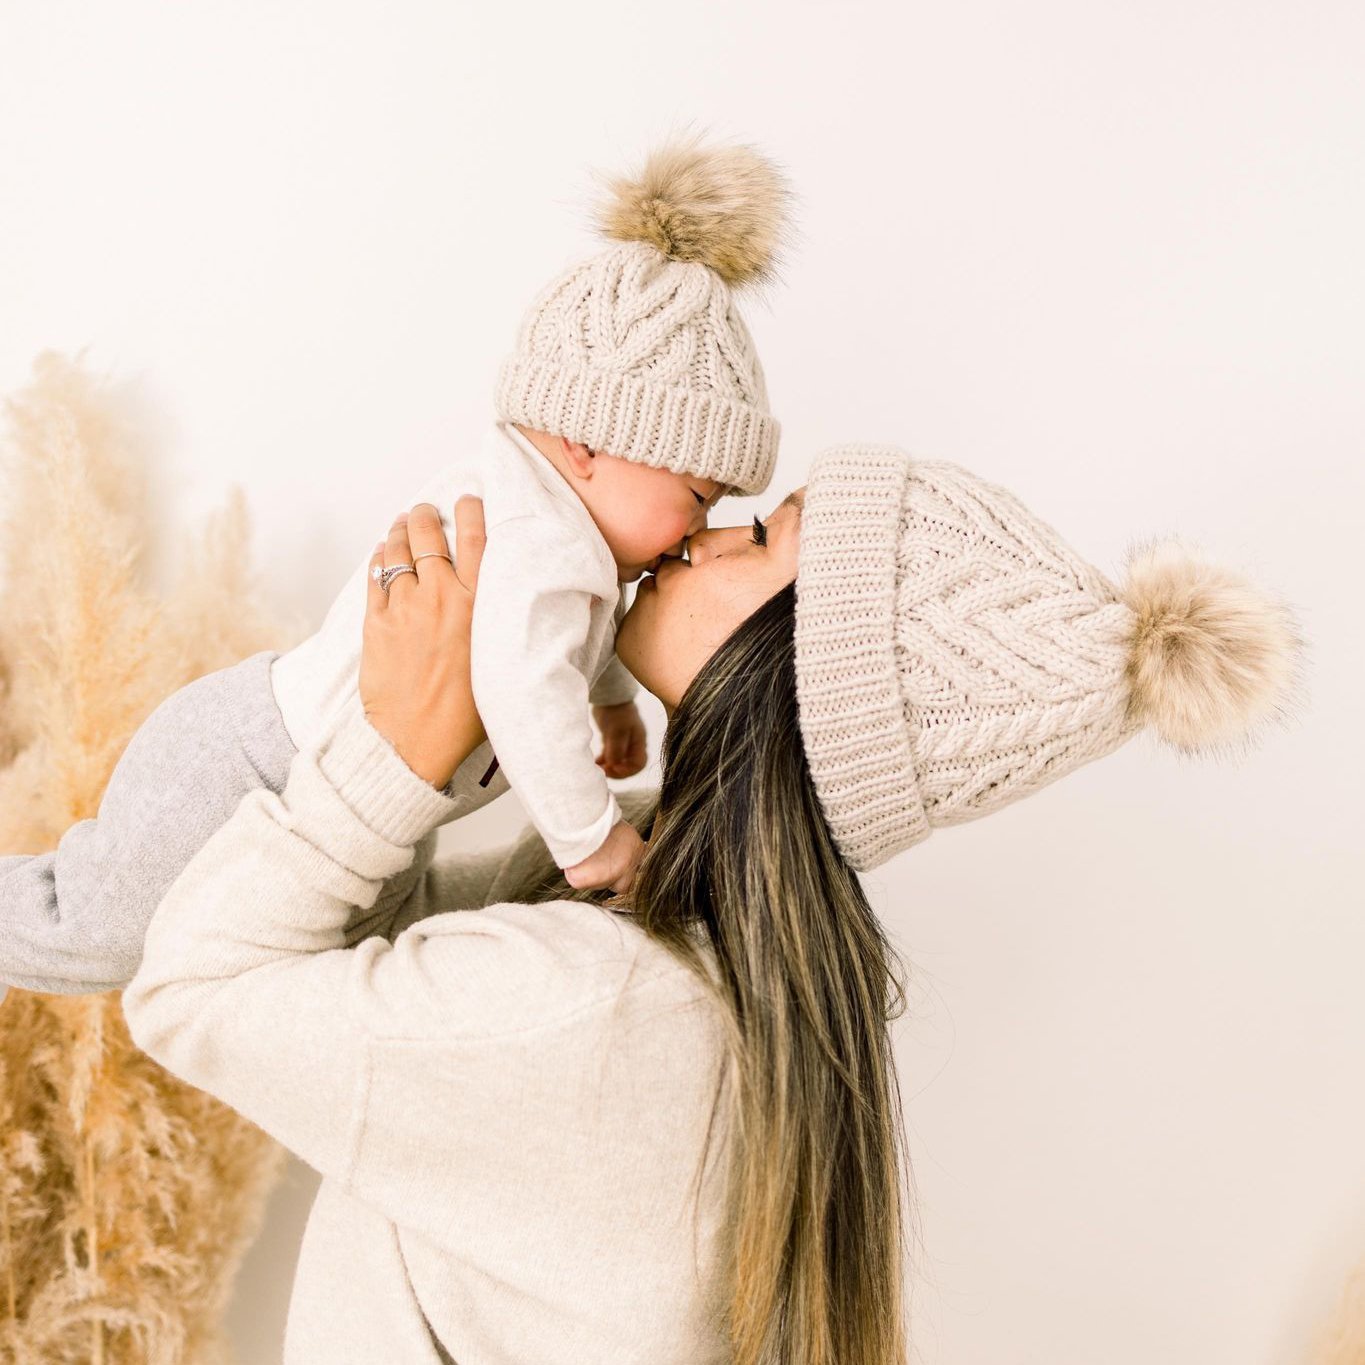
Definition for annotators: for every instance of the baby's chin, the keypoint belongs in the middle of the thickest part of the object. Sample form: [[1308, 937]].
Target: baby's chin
[[629, 573]]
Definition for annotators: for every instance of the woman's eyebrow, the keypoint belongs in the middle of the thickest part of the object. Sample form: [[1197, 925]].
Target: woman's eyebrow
[[793, 499]]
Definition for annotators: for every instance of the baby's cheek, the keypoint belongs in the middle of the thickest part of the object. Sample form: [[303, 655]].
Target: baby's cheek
[[660, 532]]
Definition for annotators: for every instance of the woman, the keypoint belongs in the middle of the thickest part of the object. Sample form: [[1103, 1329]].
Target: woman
[[568, 1131]]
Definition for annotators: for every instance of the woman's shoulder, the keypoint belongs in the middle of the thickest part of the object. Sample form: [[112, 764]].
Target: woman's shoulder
[[510, 968], [519, 965]]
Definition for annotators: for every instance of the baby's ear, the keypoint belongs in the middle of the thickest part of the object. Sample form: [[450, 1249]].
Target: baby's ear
[[578, 457]]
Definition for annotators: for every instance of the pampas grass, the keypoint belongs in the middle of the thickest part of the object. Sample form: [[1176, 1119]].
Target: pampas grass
[[1342, 1341], [127, 1199]]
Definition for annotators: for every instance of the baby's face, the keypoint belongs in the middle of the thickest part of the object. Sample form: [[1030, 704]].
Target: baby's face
[[644, 513]]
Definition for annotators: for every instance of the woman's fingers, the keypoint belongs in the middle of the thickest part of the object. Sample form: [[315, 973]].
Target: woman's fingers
[[419, 533], [414, 665], [376, 599], [470, 539], [426, 536], [398, 551], [413, 534]]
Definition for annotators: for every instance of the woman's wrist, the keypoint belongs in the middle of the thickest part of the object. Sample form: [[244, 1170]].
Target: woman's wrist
[[435, 765], [377, 784]]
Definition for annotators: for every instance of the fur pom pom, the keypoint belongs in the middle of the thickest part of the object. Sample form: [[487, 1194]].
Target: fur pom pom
[[1212, 655], [724, 206]]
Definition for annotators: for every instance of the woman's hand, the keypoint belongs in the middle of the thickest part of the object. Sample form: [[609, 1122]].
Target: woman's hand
[[414, 664]]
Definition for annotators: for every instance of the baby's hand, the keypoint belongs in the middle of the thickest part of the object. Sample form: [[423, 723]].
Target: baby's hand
[[623, 739], [613, 864]]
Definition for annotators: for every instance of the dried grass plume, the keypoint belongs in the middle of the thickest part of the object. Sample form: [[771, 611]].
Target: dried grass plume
[[127, 1198], [1342, 1340]]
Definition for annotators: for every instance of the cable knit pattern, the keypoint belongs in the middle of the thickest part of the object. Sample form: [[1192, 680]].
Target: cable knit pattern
[[953, 654], [646, 358]]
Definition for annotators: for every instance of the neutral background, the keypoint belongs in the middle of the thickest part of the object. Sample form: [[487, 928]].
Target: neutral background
[[1108, 254]]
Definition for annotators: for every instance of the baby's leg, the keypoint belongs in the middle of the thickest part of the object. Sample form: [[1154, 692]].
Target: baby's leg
[[73, 920]]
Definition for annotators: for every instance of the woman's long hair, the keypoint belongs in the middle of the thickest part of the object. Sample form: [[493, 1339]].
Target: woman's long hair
[[807, 983]]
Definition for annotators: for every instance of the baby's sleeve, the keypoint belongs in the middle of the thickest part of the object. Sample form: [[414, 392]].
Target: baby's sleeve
[[532, 621], [615, 685]]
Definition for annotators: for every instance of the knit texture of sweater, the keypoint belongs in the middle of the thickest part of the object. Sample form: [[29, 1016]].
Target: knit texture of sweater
[[508, 1103]]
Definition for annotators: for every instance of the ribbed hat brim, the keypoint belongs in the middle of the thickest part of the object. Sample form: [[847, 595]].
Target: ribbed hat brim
[[851, 713], [690, 431]]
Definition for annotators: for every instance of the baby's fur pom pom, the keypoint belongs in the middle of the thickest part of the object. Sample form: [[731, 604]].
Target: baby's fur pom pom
[[723, 206], [1212, 656]]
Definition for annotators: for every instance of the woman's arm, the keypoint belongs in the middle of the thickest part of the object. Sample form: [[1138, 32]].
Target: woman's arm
[[459, 881], [518, 871], [245, 988]]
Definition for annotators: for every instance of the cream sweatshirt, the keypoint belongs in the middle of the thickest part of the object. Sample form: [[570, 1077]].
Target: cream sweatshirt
[[544, 638], [507, 1104]]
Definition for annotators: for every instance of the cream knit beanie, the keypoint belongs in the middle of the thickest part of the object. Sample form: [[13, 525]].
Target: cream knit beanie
[[954, 654], [640, 352]]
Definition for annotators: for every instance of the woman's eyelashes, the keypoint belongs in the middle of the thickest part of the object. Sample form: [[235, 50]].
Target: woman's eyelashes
[[760, 533]]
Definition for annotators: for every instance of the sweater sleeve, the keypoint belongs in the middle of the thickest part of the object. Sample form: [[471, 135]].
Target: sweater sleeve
[[519, 872], [530, 634], [464, 1034], [245, 988], [614, 684], [461, 881]]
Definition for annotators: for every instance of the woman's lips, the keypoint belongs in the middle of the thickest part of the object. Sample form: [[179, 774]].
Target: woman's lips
[[664, 564]]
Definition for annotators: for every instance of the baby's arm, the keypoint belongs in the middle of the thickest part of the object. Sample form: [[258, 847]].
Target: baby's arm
[[532, 620], [614, 685], [613, 865], [618, 718]]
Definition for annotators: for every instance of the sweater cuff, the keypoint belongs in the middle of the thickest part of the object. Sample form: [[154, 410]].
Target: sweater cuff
[[614, 691], [376, 784]]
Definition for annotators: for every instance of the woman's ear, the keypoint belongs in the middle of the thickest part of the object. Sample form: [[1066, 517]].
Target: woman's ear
[[577, 456]]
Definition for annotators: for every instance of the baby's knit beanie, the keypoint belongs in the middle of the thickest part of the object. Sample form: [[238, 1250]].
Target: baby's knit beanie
[[953, 654], [640, 352]]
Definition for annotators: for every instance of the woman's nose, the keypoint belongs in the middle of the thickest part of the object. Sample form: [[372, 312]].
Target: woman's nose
[[717, 540]]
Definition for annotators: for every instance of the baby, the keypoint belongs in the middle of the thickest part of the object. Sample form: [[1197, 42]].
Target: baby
[[632, 401], [565, 527]]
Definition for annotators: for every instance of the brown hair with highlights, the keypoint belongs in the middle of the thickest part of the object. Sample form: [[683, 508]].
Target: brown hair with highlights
[[807, 984]]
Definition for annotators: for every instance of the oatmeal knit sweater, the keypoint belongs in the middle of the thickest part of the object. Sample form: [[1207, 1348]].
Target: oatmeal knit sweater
[[507, 1102]]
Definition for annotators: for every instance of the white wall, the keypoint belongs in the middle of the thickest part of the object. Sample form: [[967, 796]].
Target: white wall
[[1107, 254]]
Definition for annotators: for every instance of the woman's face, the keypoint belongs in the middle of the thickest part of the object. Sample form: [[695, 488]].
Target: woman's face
[[683, 613]]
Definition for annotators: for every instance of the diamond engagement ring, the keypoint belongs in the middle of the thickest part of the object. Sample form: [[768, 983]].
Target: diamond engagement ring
[[384, 576]]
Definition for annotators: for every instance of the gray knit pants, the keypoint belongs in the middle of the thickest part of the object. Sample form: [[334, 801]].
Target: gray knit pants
[[73, 921]]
